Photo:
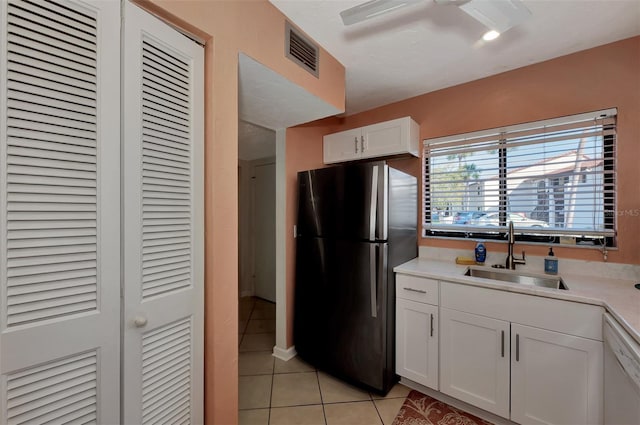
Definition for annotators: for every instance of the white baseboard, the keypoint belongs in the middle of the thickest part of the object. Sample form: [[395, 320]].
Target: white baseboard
[[483, 414], [283, 354]]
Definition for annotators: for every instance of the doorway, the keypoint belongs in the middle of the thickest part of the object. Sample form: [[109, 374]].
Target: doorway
[[256, 212]]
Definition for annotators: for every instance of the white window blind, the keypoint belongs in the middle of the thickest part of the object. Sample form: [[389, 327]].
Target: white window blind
[[551, 178]]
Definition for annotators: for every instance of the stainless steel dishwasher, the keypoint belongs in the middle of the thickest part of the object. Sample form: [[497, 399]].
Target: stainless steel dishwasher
[[621, 375]]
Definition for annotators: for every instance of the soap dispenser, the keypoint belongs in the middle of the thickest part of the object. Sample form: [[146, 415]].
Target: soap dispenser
[[551, 263]]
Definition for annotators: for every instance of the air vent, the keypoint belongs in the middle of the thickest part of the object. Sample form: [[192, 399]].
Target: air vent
[[301, 50]]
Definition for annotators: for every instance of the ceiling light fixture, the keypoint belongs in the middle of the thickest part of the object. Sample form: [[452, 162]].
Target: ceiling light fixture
[[497, 15], [373, 8], [490, 35]]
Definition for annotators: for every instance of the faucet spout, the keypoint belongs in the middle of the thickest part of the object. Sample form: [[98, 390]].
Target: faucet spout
[[511, 260]]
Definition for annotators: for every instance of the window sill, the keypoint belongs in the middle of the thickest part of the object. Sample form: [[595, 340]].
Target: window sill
[[519, 242]]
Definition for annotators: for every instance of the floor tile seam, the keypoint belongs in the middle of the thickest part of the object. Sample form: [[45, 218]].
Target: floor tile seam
[[292, 373], [255, 374], [324, 414], [271, 396], [388, 398], [346, 401], [375, 406], [294, 405]]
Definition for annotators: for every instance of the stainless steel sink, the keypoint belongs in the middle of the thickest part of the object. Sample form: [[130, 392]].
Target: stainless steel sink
[[522, 279]]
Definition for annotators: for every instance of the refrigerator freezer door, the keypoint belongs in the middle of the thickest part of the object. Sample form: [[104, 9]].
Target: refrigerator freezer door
[[340, 316], [348, 202]]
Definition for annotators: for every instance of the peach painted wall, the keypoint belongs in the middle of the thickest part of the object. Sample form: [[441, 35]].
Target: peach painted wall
[[598, 78], [256, 28]]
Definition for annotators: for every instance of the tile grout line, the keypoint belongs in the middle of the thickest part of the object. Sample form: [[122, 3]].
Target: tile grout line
[[324, 414], [273, 375], [244, 331], [375, 406]]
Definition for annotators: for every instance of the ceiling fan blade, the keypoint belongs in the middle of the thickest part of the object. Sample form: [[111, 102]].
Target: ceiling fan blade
[[373, 8]]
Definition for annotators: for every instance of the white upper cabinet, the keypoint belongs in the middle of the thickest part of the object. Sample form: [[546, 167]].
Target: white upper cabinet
[[343, 146], [395, 137]]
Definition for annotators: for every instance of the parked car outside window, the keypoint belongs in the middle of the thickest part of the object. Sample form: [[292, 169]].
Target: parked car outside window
[[519, 220], [467, 217]]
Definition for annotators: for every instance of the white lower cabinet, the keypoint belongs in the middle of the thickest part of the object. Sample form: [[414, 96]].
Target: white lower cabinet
[[417, 342], [526, 374], [555, 378], [531, 359], [474, 360]]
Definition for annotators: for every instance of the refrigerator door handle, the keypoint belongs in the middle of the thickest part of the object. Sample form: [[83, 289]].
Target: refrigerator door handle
[[373, 273], [382, 266], [384, 222], [373, 207]]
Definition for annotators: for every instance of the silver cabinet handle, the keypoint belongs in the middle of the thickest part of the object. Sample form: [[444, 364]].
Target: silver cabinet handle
[[431, 324], [420, 291], [356, 143], [361, 143], [502, 343], [140, 321], [517, 347]]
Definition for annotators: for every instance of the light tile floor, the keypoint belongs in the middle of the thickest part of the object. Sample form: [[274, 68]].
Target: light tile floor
[[275, 392]]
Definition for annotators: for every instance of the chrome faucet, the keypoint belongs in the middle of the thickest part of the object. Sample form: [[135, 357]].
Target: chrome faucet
[[511, 260]]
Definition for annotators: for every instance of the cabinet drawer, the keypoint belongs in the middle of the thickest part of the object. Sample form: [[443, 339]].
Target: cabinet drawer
[[418, 289], [567, 317]]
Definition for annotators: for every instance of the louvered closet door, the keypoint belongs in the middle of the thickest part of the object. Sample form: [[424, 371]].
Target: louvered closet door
[[163, 223], [59, 212]]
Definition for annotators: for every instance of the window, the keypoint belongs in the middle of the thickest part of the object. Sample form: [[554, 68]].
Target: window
[[552, 179]]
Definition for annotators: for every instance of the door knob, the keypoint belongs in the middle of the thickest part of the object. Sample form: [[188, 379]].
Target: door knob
[[140, 321]]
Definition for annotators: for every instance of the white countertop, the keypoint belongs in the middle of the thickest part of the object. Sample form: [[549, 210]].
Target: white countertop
[[618, 296]]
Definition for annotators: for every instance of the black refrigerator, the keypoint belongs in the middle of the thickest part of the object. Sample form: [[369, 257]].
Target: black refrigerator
[[356, 222]]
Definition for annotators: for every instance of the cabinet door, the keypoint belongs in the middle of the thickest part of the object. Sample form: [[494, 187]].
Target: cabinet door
[[389, 138], [417, 342], [163, 259], [343, 146], [555, 378], [59, 212], [474, 360]]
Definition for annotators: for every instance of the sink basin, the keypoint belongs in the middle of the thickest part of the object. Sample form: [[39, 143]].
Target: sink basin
[[522, 279]]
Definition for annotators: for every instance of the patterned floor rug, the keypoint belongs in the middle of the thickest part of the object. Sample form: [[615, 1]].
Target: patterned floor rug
[[420, 409]]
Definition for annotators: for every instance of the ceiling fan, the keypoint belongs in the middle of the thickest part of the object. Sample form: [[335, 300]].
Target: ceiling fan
[[497, 15]]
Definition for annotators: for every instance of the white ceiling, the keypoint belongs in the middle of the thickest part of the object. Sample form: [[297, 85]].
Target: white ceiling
[[426, 47], [271, 102]]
